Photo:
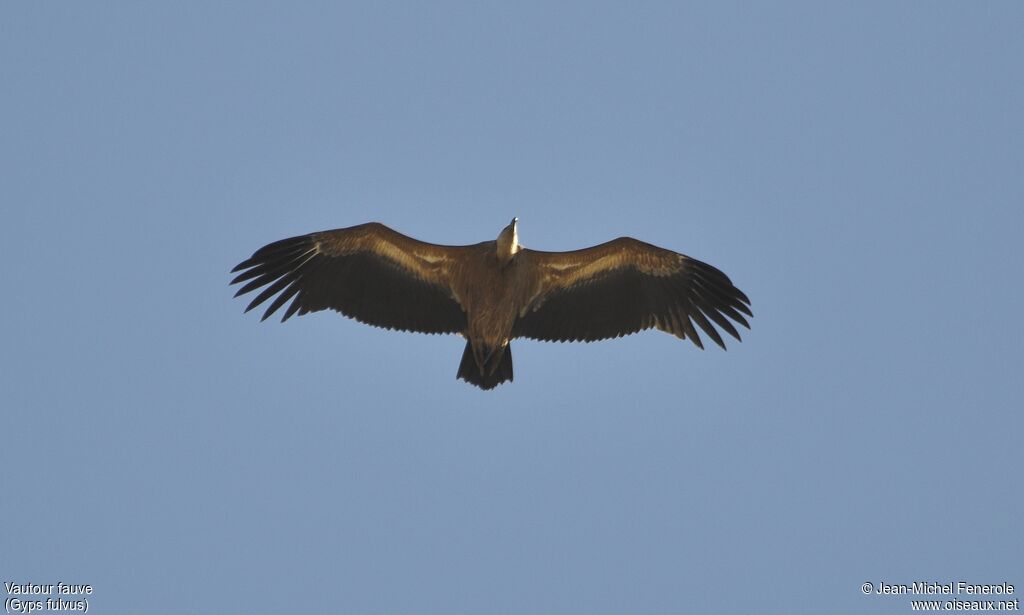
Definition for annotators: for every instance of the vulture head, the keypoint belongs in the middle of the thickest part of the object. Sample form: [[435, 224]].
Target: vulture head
[[508, 242]]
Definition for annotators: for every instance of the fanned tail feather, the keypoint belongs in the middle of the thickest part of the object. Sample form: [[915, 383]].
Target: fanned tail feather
[[497, 369]]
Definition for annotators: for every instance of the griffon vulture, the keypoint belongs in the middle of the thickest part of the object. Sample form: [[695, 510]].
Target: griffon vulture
[[495, 291]]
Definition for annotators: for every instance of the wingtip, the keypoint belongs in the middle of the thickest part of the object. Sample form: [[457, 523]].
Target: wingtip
[[242, 265], [252, 304]]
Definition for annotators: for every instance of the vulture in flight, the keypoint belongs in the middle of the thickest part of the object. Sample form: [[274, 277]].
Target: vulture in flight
[[495, 291]]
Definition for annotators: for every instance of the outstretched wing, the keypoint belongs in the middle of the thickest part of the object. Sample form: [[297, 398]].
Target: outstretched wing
[[624, 286], [368, 272]]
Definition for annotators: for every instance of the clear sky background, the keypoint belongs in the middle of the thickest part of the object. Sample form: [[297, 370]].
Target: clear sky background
[[855, 168]]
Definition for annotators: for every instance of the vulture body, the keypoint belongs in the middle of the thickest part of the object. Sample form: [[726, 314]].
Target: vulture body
[[494, 291]]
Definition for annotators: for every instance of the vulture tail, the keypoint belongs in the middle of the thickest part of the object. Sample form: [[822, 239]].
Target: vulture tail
[[497, 369]]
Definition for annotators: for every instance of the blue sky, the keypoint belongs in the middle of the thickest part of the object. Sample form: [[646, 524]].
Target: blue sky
[[855, 168]]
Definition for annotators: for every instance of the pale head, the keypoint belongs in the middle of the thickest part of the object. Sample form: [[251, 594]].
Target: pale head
[[508, 242]]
